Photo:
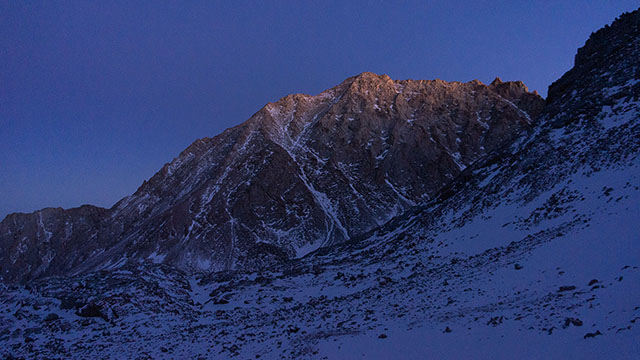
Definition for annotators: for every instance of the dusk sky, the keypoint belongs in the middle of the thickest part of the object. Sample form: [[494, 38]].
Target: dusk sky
[[96, 96]]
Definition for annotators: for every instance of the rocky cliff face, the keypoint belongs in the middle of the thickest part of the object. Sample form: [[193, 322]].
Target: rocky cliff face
[[303, 172], [606, 61], [50, 238]]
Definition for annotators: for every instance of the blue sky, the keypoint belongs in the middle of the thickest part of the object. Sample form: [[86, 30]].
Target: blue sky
[[96, 96]]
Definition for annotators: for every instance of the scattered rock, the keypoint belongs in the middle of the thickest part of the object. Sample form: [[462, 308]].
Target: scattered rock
[[51, 317], [92, 310], [591, 335], [495, 321], [572, 321], [566, 288], [293, 329]]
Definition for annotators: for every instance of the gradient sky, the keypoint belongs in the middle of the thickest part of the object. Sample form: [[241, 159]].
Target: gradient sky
[[96, 96]]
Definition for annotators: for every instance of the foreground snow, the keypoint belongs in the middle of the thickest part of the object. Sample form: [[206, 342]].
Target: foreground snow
[[392, 298]]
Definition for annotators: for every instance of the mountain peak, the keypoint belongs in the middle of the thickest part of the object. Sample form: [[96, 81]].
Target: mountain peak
[[367, 82], [496, 81], [368, 77], [371, 75], [303, 172]]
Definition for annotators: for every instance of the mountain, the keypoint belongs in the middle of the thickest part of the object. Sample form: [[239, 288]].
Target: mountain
[[530, 251], [301, 173]]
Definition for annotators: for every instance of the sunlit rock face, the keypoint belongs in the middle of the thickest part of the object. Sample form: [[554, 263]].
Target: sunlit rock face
[[301, 173]]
